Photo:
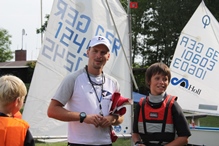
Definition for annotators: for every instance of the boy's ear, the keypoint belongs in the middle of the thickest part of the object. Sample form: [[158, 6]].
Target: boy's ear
[[18, 100]]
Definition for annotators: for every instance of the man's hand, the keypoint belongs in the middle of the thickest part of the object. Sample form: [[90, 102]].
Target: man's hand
[[93, 119], [107, 121]]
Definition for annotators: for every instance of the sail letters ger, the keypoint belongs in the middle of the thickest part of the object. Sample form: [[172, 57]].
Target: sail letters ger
[[71, 26]]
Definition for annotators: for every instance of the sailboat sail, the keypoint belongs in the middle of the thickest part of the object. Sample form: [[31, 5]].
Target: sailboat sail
[[194, 66], [72, 23]]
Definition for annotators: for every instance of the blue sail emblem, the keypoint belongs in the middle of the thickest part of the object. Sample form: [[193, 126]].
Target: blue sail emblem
[[182, 82]]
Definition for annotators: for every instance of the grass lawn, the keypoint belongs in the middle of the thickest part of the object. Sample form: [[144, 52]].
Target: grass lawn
[[51, 144], [119, 142], [209, 121]]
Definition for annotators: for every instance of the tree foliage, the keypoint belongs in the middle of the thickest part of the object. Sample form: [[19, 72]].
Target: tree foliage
[[5, 42], [156, 26], [31, 66], [42, 29]]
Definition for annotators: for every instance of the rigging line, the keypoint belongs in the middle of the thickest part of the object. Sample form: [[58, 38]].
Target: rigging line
[[130, 69]]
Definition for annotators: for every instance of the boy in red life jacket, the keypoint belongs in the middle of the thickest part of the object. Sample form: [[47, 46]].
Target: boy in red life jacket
[[158, 118], [13, 131]]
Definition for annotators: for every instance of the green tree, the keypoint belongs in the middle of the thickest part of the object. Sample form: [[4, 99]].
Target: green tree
[[157, 24], [5, 42], [31, 66], [42, 29]]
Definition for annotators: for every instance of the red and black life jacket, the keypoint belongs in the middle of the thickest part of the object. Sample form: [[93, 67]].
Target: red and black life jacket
[[155, 124]]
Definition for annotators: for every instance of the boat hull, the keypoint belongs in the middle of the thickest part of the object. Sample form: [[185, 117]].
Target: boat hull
[[204, 136]]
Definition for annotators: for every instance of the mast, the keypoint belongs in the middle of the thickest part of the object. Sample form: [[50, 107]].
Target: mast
[[41, 17], [130, 52]]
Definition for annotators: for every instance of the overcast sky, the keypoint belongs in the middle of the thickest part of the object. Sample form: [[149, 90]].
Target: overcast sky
[[16, 15]]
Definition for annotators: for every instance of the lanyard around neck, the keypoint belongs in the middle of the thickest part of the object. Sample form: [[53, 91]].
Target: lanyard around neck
[[101, 92]]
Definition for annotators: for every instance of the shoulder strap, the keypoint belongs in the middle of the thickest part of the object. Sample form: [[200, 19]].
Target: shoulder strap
[[143, 115], [165, 115]]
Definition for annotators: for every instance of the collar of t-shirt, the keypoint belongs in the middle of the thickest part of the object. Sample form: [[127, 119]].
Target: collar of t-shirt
[[156, 98], [3, 115]]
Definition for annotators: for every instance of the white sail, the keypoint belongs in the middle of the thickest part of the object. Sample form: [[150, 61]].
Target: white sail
[[195, 70], [195, 65], [72, 23]]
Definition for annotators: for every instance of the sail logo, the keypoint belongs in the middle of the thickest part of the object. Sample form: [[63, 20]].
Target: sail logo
[[206, 20], [185, 84]]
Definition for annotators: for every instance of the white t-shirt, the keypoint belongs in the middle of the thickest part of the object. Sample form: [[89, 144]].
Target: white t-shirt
[[77, 93]]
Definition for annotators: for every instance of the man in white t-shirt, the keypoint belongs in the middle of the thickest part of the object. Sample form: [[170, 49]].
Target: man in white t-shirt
[[86, 94]]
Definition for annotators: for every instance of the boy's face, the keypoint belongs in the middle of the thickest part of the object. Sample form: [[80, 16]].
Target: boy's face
[[158, 84]]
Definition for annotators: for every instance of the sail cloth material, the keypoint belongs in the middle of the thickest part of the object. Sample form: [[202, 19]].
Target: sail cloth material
[[72, 23], [195, 64]]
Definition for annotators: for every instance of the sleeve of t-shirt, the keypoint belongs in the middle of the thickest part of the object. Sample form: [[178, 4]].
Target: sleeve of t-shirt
[[29, 141], [65, 89], [137, 108], [180, 122]]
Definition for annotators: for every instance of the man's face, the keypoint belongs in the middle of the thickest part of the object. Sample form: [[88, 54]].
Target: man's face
[[98, 55]]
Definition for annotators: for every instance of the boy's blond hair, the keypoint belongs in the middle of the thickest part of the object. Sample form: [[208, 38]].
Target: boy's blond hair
[[11, 87]]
